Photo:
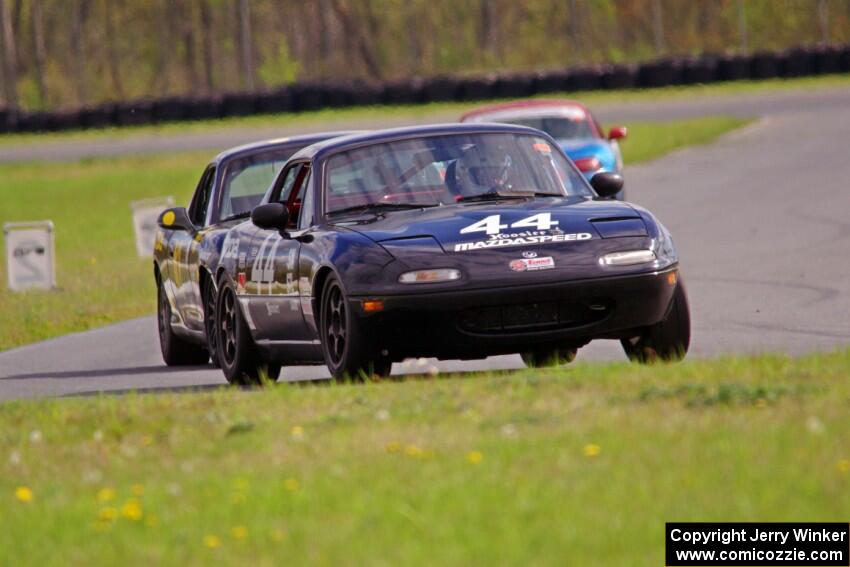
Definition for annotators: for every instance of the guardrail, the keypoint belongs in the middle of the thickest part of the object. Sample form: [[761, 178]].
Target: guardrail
[[299, 97]]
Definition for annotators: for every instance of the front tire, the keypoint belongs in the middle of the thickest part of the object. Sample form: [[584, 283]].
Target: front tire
[[667, 340], [175, 351], [235, 348], [348, 353]]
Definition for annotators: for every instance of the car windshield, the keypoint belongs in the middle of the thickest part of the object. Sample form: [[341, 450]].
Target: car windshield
[[443, 170], [559, 127], [247, 178]]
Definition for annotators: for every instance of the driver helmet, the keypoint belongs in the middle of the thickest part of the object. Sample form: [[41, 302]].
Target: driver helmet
[[477, 172]]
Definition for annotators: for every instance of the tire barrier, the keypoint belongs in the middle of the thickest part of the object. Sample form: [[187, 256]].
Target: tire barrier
[[549, 82], [764, 65], [205, 108], [798, 62], [618, 77], [64, 120], [134, 113], [828, 60], [366, 94], [514, 85], [661, 73], [401, 92], [5, 121], [733, 68], [98, 116], [584, 79], [477, 88], [170, 109], [699, 70], [272, 102], [239, 104], [305, 96], [441, 88]]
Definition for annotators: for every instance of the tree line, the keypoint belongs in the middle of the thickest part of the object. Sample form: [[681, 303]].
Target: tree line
[[71, 53]]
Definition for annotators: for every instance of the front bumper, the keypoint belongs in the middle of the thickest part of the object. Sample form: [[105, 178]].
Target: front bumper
[[479, 323]]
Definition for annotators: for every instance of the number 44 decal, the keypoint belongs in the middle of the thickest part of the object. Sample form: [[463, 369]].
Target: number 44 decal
[[492, 224]]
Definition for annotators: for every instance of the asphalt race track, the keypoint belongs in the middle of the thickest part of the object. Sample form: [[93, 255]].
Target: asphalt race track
[[761, 219]]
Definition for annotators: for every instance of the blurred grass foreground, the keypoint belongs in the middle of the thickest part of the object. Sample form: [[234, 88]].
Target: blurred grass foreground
[[580, 465]]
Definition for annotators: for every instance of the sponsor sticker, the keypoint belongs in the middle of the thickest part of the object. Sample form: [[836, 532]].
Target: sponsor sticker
[[535, 238], [241, 279], [532, 264]]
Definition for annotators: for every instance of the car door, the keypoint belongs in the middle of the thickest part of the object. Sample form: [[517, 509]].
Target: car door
[[183, 249], [272, 278]]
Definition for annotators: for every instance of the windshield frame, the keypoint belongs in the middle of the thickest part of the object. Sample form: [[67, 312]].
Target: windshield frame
[[322, 184], [225, 166], [586, 124]]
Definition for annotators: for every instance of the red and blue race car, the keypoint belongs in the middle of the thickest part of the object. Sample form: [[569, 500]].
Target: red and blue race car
[[570, 123]]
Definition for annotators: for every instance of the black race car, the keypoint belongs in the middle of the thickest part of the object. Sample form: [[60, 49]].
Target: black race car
[[454, 241], [188, 243]]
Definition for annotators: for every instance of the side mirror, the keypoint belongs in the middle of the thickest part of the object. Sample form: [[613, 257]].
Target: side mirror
[[175, 219], [607, 184], [618, 133], [271, 216]]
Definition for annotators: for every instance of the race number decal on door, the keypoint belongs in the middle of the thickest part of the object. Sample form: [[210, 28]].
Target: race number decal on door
[[262, 271]]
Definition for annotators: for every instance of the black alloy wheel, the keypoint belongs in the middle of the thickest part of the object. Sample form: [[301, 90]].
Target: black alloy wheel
[[240, 362], [349, 355]]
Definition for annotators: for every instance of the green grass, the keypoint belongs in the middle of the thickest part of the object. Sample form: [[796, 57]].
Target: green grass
[[443, 111], [100, 278], [578, 466]]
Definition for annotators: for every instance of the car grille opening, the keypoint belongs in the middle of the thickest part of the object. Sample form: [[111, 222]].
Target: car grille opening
[[538, 316]]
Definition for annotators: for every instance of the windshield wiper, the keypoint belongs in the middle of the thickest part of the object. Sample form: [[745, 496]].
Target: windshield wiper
[[498, 195], [383, 207]]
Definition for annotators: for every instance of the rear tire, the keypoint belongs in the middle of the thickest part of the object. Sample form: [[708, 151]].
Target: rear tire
[[542, 358], [667, 340], [175, 351], [348, 353], [240, 362], [209, 322]]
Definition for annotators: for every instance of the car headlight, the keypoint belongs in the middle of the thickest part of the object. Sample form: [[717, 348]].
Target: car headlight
[[663, 247], [429, 276], [627, 258]]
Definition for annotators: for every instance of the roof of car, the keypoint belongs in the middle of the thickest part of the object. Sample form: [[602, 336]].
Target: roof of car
[[528, 107], [335, 145], [276, 143]]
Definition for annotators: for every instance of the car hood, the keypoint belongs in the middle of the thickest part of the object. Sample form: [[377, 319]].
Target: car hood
[[567, 234]]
